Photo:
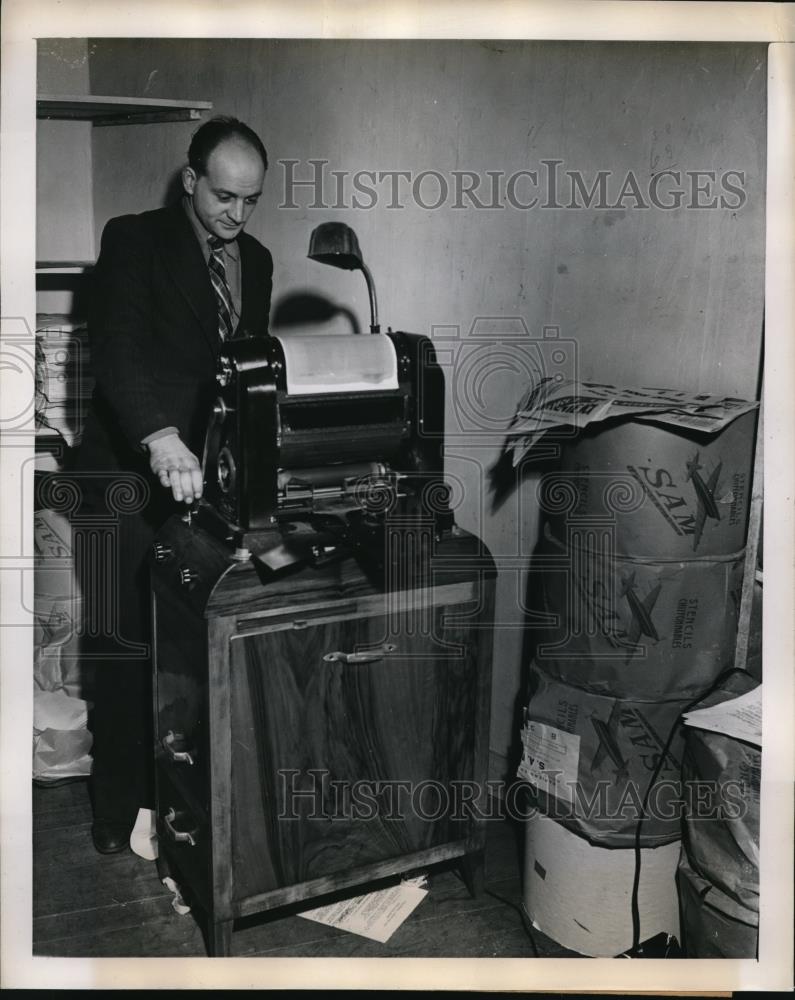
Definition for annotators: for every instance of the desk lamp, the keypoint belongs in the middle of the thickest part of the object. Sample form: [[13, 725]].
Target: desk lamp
[[336, 244]]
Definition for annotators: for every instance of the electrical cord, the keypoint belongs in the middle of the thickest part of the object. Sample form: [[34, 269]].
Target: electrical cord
[[525, 919], [507, 902]]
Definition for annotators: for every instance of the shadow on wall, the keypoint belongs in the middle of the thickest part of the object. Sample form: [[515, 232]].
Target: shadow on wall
[[308, 309], [295, 312], [505, 478]]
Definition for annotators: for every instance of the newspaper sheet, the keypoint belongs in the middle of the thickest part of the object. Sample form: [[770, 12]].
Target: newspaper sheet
[[552, 404]]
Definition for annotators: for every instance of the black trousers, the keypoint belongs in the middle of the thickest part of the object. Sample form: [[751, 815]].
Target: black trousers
[[122, 778], [113, 536]]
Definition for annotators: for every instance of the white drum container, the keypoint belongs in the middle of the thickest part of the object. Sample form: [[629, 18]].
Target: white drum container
[[581, 895]]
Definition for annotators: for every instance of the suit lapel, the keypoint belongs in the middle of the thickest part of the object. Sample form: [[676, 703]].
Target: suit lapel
[[183, 259]]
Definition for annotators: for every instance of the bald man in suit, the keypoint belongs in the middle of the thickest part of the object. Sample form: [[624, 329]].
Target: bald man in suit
[[169, 287]]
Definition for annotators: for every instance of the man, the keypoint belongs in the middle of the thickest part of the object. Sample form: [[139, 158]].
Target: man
[[169, 287]]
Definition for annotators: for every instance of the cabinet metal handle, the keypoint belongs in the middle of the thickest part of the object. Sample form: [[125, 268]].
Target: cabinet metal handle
[[366, 656], [180, 756], [179, 836]]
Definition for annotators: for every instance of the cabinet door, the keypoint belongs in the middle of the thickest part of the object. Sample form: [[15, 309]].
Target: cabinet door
[[181, 712], [352, 742]]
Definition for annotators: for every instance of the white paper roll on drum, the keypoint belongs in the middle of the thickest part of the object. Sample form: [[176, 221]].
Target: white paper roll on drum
[[581, 895], [350, 363]]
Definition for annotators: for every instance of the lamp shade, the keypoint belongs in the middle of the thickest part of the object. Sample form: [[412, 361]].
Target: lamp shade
[[336, 244]]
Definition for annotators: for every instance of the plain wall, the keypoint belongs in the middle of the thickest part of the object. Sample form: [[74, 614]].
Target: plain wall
[[640, 296], [64, 189]]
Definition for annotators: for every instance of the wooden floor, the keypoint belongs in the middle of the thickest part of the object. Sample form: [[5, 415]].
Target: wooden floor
[[89, 905]]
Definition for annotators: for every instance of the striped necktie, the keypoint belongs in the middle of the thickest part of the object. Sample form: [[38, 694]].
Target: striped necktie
[[220, 287]]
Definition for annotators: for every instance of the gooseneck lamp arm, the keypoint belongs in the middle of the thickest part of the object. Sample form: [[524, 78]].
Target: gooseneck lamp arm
[[374, 324], [336, 244]]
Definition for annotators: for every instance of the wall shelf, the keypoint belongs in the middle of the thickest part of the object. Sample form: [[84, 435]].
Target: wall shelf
[[117, 110], [63, 266]]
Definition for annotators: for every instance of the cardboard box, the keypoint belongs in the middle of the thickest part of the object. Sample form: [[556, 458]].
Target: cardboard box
[[723, 843], [64, 381], [57, 609], [671, 494], [52, 546], [713, 924], [637, 629], [591, 759], [56, 594], [581, 895]]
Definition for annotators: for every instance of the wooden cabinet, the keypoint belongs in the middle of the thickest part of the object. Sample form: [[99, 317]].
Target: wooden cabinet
[[316, 732]]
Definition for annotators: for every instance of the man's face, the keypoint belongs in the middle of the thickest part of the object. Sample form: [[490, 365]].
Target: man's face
[[225, 196]]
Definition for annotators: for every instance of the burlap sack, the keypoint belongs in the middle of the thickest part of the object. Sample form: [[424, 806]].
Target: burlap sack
[[590, 761], [723, 845], [713, 924], [637, 629], [670, 494]]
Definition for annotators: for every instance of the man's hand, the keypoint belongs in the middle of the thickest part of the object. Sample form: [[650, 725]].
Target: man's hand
[[176, 467]]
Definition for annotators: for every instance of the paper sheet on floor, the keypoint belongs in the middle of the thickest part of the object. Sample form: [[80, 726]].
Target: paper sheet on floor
[[178, 903], [741, 717], [375, 916], [143, 839]]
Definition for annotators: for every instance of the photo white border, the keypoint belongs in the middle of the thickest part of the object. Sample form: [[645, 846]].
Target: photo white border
[[25, 20]]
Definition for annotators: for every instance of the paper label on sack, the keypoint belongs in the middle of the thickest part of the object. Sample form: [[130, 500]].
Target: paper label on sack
[[550, 759], [376, 915], [740, 718]]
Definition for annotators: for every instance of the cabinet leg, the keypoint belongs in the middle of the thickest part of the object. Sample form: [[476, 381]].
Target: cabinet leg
[[473, 870], [219, 938]]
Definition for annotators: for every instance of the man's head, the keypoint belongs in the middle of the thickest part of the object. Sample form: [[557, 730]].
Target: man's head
[[224, 177]]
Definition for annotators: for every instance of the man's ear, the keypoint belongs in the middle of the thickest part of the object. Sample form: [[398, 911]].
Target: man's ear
[[188, 179]]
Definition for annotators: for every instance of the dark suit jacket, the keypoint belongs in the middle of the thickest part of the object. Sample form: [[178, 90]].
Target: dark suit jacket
[[153, 332]]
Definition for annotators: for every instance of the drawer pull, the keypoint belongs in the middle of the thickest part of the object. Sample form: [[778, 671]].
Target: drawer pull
[[181, 756], [179, 836], [366, 656]]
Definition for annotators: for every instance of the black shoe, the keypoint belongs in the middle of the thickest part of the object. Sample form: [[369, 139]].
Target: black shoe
[[110, 838]]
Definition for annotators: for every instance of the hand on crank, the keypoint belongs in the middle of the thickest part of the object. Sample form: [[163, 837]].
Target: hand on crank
[[176, 467]]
